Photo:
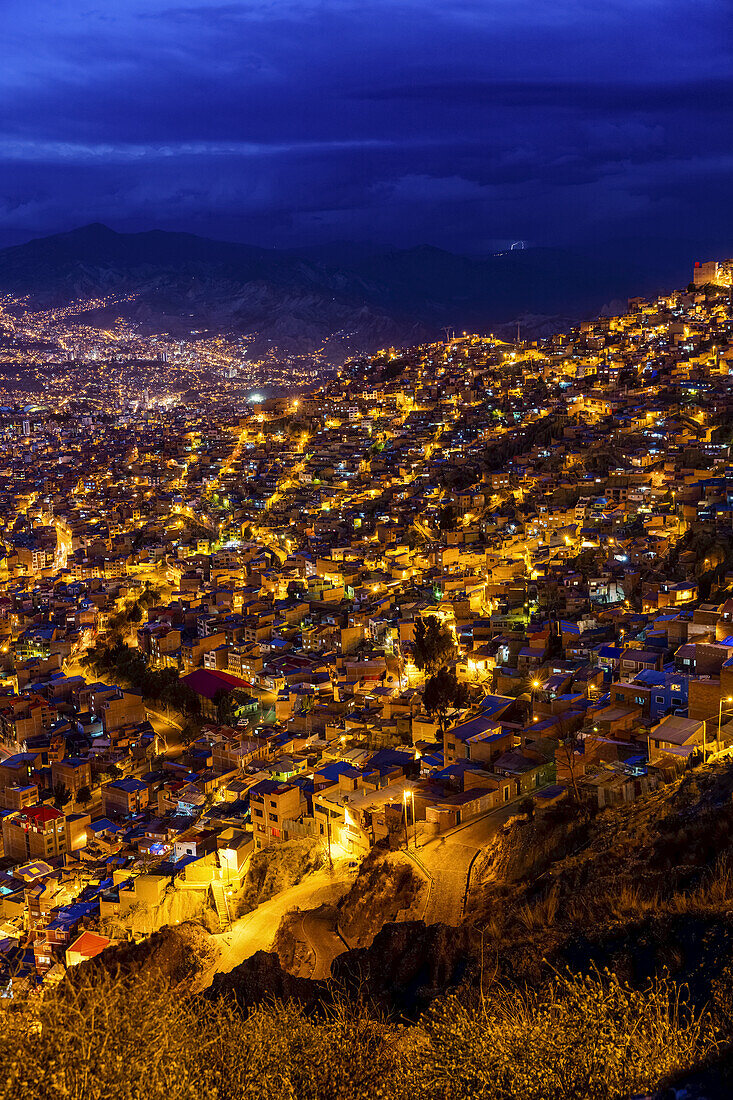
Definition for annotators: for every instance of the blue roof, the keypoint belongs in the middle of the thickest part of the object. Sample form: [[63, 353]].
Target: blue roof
[[494, 705], [128, 784], [478, 728], [650, 676]]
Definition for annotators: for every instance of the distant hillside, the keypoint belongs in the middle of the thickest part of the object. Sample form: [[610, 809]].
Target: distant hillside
[[352, 297]]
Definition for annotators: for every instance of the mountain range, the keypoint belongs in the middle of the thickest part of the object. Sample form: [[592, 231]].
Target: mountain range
[[345, 296]]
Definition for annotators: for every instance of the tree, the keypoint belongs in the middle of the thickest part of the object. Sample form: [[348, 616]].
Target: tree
[[189, 733], [135, 614], [84, 796], [61, 795], [442, 693], [527, 806], [434, 645], [226, 707], [447, 518]]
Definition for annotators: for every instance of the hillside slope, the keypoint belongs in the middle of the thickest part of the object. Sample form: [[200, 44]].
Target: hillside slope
[[596, 961], [348, 298]]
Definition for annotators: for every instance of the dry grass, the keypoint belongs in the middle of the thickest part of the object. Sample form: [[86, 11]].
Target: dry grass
[[589, 1037], [132, 1040]]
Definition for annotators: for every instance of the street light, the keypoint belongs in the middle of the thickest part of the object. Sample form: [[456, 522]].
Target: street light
[[405, 796], [728, 699]]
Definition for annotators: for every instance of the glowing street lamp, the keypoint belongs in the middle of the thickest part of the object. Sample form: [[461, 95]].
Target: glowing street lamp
[[728, 699], [405, 796]]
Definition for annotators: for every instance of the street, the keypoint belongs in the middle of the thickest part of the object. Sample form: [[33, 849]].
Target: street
[[447, 860], [256, 931]]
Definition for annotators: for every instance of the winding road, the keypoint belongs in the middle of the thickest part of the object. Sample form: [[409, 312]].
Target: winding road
[[256, 931]]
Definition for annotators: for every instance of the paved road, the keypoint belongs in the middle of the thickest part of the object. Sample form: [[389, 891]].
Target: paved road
[[317, 926], [256, 931], [448, 859]]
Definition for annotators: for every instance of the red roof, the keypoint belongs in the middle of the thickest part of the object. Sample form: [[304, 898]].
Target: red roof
[[41, 813], [208, 682], [89, 944]]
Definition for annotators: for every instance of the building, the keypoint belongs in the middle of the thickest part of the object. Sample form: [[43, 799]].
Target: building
[[124, 797], [73, 772], [273, 804], [42, 832]]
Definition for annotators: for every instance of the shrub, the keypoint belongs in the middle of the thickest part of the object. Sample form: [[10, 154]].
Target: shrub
[[589, 1037], [133, 1039]]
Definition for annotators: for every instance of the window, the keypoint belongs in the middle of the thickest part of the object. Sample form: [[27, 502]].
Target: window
[[273, 817], [658, 698], [258, 813]]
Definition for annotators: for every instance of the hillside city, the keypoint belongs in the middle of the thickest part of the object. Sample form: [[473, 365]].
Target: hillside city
[[255, 611]]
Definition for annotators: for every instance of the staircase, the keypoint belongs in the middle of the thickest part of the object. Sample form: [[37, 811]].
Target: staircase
[[220, 904]]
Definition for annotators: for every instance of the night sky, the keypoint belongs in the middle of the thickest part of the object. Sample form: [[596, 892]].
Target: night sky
[[286, 122]]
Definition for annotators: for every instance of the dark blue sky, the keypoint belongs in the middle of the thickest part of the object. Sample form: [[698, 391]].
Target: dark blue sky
[[462, 123]]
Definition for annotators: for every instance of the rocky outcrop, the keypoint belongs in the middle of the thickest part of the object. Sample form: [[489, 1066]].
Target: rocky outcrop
[[387, 884], [405, 968], [178, 955], [409, 964], [261, 978]]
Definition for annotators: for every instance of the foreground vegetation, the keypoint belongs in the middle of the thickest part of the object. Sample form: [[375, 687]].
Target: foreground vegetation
[[596, 962], [106, 1036]]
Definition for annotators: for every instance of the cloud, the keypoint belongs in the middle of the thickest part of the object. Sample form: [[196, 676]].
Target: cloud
[[285, 120]]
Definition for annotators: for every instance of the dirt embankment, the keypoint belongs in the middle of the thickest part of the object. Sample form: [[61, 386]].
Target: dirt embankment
[[294, 954], [177, 906], [387, 885], [177, 954], [276, 869], [405, 968]]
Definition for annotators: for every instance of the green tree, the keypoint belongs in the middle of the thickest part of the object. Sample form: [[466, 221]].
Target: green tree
[[434, 645], [84, 796], [226, 707], [135, 614], [447, 518], [61, 795], [443, 693], [189, 733]]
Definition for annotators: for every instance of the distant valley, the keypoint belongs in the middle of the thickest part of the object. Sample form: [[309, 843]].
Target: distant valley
[[343, 299]]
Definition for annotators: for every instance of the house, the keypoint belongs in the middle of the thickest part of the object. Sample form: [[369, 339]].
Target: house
[[481, 738], [657, 693], [272, 805], [85, 947], [124, 796], [117, 707], [676, 736], [528, 769], [43, 832]]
